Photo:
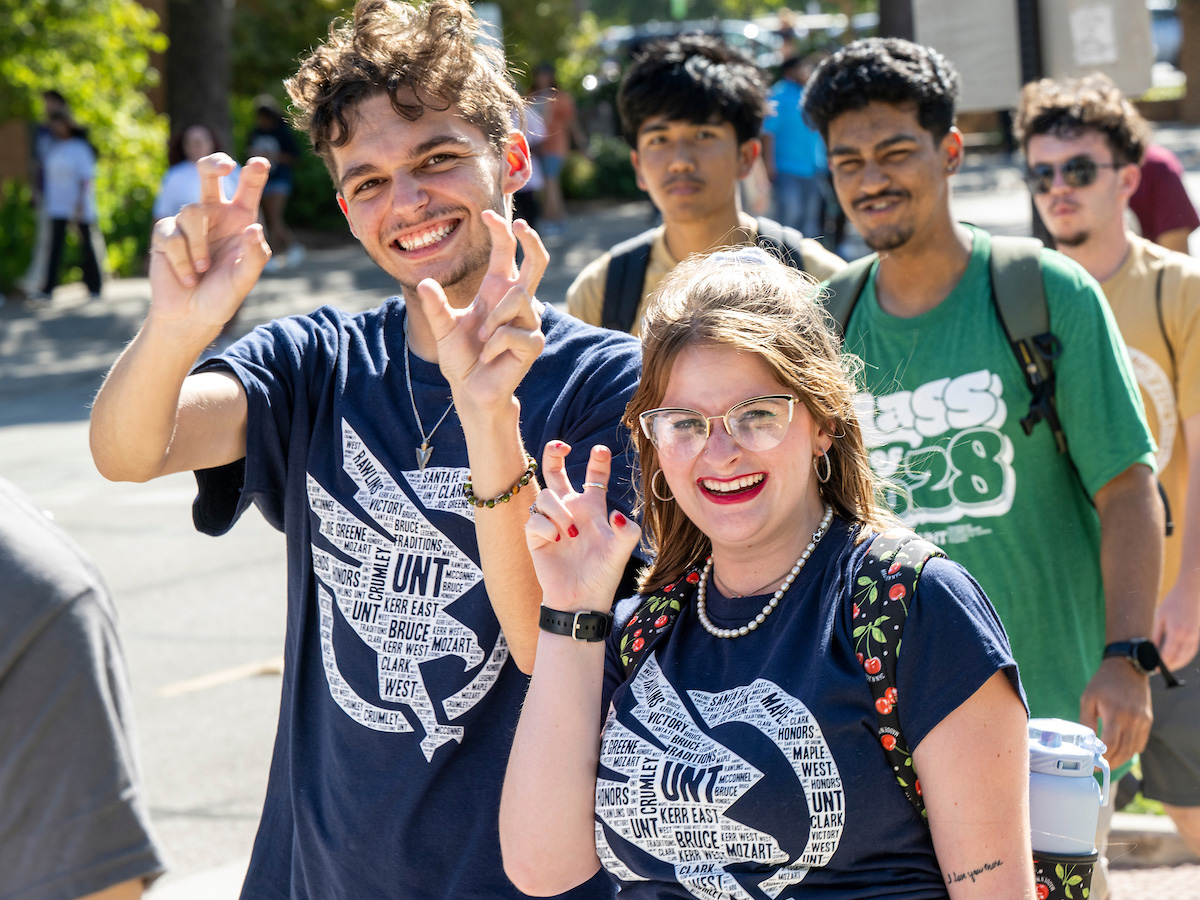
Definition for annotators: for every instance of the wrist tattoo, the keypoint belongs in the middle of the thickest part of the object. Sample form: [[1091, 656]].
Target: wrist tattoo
[[955, 877]]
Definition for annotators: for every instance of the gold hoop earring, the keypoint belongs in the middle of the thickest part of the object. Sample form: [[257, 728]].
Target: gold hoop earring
[[654, 490], [828, 467]]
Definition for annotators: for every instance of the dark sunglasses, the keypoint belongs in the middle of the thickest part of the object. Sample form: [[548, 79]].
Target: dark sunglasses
[[1077, 172]]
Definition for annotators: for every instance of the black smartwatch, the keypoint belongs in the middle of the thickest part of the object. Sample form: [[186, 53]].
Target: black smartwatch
[[579, 626], [1143, 656]]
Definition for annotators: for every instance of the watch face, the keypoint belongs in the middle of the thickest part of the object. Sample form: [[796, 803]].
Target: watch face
[[1146, 655]]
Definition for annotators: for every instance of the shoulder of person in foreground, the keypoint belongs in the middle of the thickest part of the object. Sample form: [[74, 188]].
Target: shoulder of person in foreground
[[953, 642], [279, 364], [74, 812], [587, 353]]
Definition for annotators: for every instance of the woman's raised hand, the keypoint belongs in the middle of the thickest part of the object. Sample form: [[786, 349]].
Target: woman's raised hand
[[579, 549]]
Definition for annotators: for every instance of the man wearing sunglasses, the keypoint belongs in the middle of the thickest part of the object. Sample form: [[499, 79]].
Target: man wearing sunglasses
[[1067, 545], [1084, 143]]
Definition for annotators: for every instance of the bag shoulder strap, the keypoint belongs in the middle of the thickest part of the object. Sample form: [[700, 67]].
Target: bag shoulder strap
[[623, 284], [1162, 327], [653, 619], [884, 587], [1162, 324], [841, 292], [782, 240], [1019, 296]]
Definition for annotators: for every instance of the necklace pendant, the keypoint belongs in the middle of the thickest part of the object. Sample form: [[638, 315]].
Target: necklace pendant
[[423, 454]]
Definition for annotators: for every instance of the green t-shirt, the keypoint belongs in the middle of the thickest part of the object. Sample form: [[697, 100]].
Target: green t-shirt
[[941, 416]]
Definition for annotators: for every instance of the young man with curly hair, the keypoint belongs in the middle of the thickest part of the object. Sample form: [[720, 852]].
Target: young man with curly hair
[[392, 447], [691, 110], [1067, 545], [1084, 143]]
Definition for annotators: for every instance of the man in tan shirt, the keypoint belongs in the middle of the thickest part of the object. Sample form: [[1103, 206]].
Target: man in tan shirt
[[692, 110], [1084, 143]]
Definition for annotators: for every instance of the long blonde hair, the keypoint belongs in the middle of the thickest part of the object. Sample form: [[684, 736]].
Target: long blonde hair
[[746, 300]]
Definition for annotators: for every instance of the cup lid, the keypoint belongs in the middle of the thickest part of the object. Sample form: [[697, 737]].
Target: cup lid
[[1059, 747]]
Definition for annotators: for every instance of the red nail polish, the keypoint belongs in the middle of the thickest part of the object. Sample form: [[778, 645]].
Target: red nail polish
[[558, 537], [619, 520], [573, 531]]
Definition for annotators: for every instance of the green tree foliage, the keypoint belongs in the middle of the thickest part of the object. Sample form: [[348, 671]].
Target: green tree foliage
[[271, 36], [97, 53], [536, 31]]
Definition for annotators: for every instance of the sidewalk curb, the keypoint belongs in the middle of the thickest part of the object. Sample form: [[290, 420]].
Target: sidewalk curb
[[1139, 841]]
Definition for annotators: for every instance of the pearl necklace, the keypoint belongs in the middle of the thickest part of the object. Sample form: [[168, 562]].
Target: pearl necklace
[[702, 611]]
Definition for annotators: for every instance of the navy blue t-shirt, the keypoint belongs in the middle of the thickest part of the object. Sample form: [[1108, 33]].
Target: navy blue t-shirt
[[399, 696], [751, 767]]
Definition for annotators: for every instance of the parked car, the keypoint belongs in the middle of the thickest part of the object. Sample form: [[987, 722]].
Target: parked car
[[620, 42]]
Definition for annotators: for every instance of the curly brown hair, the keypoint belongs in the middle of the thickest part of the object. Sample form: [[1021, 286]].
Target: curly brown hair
[[432, 55], [1069, 106], [761, 306]]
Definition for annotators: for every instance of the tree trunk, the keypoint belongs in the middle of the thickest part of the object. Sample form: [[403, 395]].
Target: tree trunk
[[198, 65], [896, 19], [1189, 57]]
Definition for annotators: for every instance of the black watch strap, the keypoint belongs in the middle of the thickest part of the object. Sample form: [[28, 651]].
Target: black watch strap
[[581, 626], [1143, 655]]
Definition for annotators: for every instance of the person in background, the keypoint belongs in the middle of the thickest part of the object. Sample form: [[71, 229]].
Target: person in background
[[786, 32], [272, 139], [34, 279], [527, 202], [70, 198], [1164, 211], [1067, 545], [1083, 142], [74, 821], [794, 153], [562, 129], [739, 755], [691, 111], [181, 183]]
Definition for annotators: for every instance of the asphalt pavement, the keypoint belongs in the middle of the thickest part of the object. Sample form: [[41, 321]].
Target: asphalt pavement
[[203, 619]]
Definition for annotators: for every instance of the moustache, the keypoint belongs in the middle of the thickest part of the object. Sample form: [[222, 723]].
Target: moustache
[[874, 198], [401, 228]]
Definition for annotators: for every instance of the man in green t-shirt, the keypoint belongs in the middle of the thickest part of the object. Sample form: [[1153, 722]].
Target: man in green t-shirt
[[1067, 546]]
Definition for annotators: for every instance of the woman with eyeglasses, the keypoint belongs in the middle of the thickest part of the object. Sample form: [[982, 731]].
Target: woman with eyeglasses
[[726, 743]]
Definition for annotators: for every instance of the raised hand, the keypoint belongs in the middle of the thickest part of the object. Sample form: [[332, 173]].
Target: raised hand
[[485, 349], [205, 260], [579, 549]]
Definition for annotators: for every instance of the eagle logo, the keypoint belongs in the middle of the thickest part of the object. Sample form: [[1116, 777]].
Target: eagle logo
[[391, 576]]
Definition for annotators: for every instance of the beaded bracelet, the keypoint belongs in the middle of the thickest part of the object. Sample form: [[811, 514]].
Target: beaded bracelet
[[526, 477]]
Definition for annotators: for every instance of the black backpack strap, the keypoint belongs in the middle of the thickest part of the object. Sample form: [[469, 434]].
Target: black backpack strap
[[884, 587], [623, 285], [1020, 300], [653, 619], [1162, 325], [841, 292], [782, 240]]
